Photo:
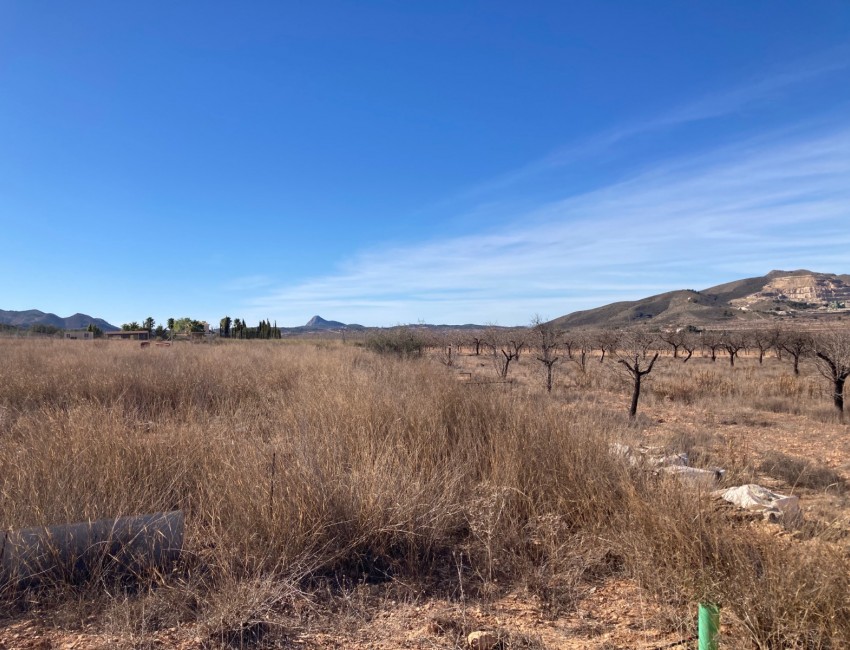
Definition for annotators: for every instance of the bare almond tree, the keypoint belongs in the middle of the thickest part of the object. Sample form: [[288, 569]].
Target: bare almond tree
[[505, 345], [547, 346], [582, 346], [673, 338], [733, 343], [518, 340], [832, 357], [446, 345], [568, 342], [712, 342], [797, 344], [607, 341], [778, 339], [763, 340], [477, 340], [633, 355], [689, 344]]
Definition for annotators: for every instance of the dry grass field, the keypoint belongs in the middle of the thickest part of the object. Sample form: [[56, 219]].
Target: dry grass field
[[339, 498]]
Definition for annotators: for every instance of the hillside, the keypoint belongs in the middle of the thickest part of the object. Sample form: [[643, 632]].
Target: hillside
[[28, 318], [779, 293]]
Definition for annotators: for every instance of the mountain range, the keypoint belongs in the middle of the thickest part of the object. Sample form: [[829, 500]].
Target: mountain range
[[30, 317], [777, 294]]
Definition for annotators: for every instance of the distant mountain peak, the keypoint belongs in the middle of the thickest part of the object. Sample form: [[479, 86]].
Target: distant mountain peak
[[317, 322]]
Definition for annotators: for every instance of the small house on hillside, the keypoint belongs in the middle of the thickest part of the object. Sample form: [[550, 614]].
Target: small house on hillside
[[79, 335], [128, 335]]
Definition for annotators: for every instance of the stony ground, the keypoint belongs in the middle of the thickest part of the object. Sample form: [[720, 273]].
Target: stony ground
[[611, 614]]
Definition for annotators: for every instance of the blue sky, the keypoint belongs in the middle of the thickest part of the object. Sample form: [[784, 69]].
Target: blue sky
[[389, 162]]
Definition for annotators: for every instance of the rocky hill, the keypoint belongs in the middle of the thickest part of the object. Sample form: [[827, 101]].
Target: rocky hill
[[779, 293], [319, 323], [801, 289]]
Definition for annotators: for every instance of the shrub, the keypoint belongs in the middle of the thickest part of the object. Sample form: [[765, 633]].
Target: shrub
[[399, 341], [798, 472]]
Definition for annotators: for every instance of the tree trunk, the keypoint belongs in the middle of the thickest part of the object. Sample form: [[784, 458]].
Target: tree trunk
[[690, 352], [506, 364], [838, 395], [635, 396], [796, 364], [549, 378]]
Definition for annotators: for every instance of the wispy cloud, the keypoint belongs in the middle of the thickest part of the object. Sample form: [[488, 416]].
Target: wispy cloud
[[757, 91], [774, 201]]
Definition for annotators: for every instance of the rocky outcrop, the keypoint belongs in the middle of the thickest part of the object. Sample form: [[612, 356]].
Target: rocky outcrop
[[816, 289]]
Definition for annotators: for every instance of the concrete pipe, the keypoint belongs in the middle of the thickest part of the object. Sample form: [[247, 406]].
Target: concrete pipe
[[123, 547]]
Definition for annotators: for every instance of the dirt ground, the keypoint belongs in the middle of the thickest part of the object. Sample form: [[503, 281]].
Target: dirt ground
[[609, 615]]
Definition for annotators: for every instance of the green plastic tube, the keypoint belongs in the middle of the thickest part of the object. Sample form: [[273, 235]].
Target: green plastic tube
[[709, 626]]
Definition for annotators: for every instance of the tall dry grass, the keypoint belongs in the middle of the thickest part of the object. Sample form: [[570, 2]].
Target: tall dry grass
[[307, 469]]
